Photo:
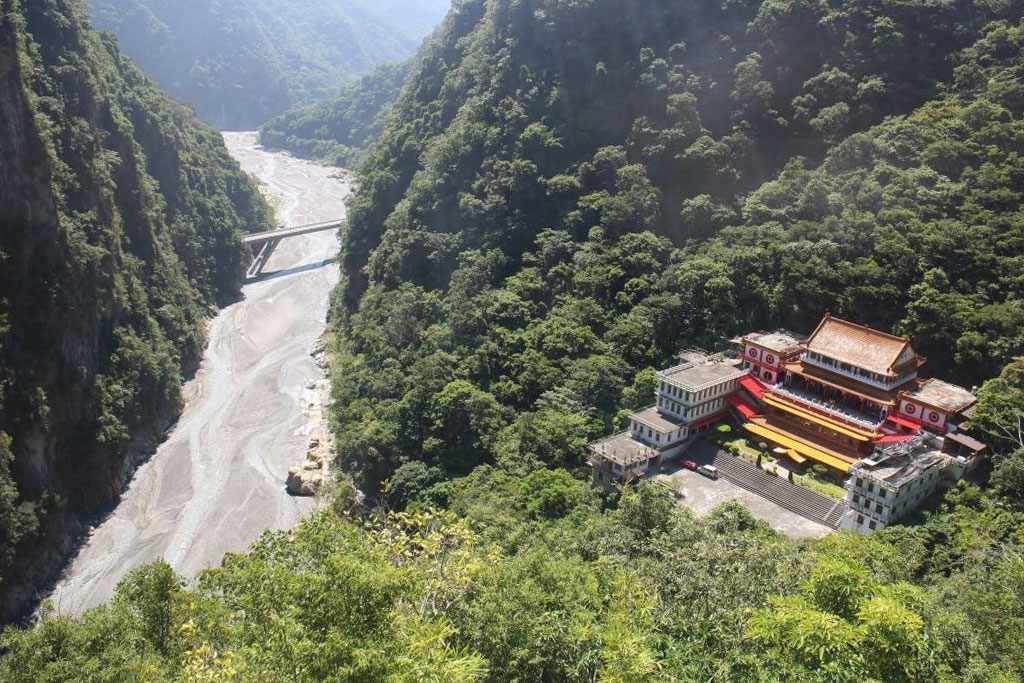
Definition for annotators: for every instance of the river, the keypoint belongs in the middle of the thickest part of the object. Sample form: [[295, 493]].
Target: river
[[218, 480]]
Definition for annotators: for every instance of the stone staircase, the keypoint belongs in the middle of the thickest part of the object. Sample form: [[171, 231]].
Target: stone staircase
[[808, 504]]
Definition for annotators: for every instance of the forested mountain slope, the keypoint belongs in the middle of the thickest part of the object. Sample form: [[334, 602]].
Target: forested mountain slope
[[340, 130], [569, 193], [534, 577], [120, 224], [706, 100], [240, 62]]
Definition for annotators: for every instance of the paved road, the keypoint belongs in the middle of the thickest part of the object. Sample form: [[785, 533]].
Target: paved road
[[702, 495], [218, 481]]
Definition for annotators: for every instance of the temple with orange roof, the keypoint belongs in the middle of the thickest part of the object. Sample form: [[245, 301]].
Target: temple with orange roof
[[847, 397], [842, 393]]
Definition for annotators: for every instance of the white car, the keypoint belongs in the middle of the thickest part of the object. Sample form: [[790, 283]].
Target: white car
[[709, 471]]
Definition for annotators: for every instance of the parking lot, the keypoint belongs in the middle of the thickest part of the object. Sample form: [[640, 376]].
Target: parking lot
[[701, 495]]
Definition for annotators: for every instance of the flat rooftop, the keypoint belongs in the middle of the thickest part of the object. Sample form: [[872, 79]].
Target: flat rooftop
[[701, 373], [897, 465], [943, 395], [622, 449], [779, 341], [656, 420]]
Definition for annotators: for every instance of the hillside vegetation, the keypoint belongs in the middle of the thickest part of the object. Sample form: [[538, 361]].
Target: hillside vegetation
[[120, 225], [536, 578], [570, 193], [566, 194], [241, 62], [340, 131]]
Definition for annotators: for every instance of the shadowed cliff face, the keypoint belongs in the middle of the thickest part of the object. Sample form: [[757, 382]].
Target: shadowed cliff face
[[120, 223]]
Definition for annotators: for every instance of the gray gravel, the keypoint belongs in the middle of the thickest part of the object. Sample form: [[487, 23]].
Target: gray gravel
[[702, 495]]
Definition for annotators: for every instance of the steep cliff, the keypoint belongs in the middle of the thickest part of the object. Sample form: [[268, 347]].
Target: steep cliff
[[120, 224]]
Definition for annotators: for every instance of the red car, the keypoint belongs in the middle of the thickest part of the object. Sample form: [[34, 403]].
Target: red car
[[690, 465]]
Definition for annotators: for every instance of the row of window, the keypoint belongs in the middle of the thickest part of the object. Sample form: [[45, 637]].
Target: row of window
[[867, 506], [642, 431], [871, 525], [871, 487], [754, 353], [688, 396], [858, 371], [896, 511], [695, 411], [920, 481]]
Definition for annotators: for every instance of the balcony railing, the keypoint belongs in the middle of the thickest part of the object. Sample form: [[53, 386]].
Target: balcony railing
[[860, 377], [835, 410]]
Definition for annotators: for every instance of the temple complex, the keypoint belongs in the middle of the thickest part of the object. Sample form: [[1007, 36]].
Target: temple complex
[[847, 397], [841, 394]]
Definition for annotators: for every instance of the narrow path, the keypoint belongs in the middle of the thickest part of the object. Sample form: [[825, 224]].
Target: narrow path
[[218, 481]]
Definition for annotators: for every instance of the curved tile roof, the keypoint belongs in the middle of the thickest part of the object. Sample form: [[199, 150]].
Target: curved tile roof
[[859, 345]]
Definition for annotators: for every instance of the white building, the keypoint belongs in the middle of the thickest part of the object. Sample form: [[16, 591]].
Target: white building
[[766, 353], [690, 397], [895, 481]]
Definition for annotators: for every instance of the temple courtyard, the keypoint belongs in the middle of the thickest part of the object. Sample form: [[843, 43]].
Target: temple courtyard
[[701, 495]]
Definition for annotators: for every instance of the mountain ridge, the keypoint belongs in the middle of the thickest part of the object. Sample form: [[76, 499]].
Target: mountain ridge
[[240, 63]]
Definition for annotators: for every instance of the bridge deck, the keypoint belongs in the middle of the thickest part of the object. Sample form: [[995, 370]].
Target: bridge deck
[[259, 237]]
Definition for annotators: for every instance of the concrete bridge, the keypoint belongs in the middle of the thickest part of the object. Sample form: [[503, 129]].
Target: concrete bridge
[[263, 244]]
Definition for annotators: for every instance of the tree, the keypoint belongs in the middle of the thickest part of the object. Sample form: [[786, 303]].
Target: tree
[[18, 520], [151, 592], [464, 423], [553, 493], [999, 412], [646, 508], [408, 482], [845, 626], [549, 437], [1008, 476]]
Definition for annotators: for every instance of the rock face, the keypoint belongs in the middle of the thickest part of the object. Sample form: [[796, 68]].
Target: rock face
[[309, 478], [305, 480]]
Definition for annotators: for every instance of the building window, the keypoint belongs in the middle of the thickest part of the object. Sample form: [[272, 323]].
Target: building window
[[881, 492], [860, 520], [871, 487], [872, 526], [856, 498], [878, 508]]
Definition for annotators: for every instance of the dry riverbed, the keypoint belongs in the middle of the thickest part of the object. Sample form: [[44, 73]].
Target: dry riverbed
[[252, 411]]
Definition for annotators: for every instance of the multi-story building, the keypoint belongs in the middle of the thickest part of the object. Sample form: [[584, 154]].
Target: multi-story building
[[894, 481], [844, 392], [621, 458], [690, 397], [766, 353]]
